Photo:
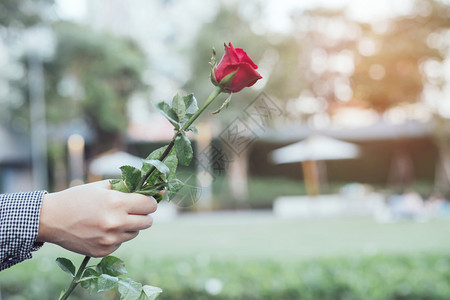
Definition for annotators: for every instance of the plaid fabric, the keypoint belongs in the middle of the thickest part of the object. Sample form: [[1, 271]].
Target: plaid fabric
[[19, 223]]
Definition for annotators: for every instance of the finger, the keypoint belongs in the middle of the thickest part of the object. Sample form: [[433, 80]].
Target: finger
[[137, 222], [129, 235], [105, 184], [140, 205]]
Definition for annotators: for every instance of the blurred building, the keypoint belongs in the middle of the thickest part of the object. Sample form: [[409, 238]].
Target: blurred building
[[15, 162], [390, 153]]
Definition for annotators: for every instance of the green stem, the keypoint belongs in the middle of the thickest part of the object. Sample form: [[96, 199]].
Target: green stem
[[189, 122], [77, 277], [208, 101]]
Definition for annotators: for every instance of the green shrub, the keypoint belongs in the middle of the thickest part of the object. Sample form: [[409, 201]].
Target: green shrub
[[393, 277], [366, 278]]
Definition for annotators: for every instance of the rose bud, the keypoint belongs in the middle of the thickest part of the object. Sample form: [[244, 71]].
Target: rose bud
[[235, 71]]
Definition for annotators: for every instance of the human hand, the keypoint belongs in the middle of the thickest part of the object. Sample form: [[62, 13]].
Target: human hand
[[92, 219]]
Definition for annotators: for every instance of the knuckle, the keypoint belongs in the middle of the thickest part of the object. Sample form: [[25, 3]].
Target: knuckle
[[110, 223], [108, 240], [114, 202]]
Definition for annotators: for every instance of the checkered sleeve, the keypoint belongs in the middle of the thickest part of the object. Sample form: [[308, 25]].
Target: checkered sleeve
[[19, 223]]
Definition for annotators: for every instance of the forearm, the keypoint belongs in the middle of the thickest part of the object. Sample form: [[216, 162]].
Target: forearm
[[19, 224]]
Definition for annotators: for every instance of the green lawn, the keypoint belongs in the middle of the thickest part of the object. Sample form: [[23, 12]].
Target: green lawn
[[233, 234], [260, 254]]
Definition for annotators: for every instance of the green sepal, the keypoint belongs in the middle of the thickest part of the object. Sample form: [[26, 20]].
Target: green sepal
[[183, 149], [66, 265], [212, 63], [213, 76], [169, 113], [226, 81], [213, 57]]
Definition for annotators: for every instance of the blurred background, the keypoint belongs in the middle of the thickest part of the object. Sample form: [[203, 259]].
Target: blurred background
[[328, 179]]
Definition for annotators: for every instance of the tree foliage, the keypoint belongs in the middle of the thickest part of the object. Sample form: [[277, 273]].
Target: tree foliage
[[16, 17], [91, 77], [22, 12], [401, 51]]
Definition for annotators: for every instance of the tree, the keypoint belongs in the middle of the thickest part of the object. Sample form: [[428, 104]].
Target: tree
[[389, 63], [16, 17], [91, 78], [18, 13], [396, 73], [393, 74]]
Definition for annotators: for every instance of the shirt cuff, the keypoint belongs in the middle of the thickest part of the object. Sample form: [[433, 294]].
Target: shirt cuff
[[19, 226]]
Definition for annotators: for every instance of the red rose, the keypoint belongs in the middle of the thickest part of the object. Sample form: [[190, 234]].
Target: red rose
[[235, 60]]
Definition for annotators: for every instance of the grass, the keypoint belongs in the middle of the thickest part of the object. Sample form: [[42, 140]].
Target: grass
[[257, 256], [234, 234]]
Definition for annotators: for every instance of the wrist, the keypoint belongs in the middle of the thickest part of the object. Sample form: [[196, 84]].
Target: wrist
[[46, 227]]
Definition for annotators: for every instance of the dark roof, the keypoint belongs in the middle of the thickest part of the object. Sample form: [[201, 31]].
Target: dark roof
[[378, 131]]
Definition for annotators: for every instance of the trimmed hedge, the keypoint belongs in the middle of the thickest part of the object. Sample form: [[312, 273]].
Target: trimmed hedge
[[381, 277]]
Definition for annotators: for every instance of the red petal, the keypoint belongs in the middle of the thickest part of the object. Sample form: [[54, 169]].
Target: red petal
[[243, 57], [246, 76], [234, 58], [226, 59]]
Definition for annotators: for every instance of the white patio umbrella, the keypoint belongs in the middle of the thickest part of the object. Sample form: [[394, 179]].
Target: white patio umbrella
[[315, 147], [109, 163], [309, 151]]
